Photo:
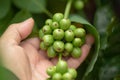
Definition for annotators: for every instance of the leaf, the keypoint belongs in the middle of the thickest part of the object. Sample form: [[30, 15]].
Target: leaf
[[102, 18], [5, 21], [93, 31], [4, 7], [39, 19], [21, 16], [35, 6], [111, 69], [100, 3], [55, 5], [113, 30], [113, 40]]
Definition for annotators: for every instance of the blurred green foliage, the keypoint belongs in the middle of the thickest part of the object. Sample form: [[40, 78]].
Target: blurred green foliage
[[107, 64]]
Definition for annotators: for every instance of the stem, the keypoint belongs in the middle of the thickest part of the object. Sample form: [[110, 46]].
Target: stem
[[60, 56], [48, 13], [67, 9]]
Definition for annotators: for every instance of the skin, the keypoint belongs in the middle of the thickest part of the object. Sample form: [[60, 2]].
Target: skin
[[24, 57]]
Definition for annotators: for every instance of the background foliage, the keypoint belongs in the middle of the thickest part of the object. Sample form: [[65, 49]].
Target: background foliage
[[103, 14]]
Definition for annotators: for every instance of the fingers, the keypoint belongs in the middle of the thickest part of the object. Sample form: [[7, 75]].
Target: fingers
[[43, 54], [89, 40], [85, 51], [17, 32]]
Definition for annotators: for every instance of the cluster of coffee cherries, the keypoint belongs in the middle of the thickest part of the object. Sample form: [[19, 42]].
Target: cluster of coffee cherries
[[59, 36], [61, 72]]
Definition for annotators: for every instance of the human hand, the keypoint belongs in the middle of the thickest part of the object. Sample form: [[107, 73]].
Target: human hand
[[25, 59]]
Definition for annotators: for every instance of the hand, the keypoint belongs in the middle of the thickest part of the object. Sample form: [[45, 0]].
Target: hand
[[25, 59]]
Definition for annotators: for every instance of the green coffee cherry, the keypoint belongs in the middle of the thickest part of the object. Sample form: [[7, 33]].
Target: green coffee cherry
[[51, 52], [48, 40], [41, 34], [68, 47], [57, 17], [65, 24], [67, 76], [72, 27], [51, 70], [61, 67], [80, 32], [48, 22], [55, 25], [58, 46], [58, 34], [57, 76], [76, 53], [46, 29], [69, 35], [77, 42], [43, 46], [73, 72], [79, 4]]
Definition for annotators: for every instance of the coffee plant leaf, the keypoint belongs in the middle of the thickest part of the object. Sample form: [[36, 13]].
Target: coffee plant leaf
[[34, 6], [111, 69], [4, 7], [4, 22]]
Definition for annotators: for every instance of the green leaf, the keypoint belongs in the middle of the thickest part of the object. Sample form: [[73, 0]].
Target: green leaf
[[55, 5], [23, 15], [91, 29], [113, 39], [35, 6], [110, 69], [4, 7], [100, 3], [103, 18], [5, 21]]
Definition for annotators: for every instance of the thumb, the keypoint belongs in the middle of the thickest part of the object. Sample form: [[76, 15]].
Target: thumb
[[17, 32]]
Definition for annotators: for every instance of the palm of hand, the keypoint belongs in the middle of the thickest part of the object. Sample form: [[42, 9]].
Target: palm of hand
[[36, 58]]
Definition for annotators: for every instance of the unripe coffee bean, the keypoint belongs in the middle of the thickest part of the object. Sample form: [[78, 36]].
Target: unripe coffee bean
[[79, 32], [48, 22], [76, 53], [51, 53], [57, 17], [58, 34], [46, 29], [65, 24], [48, 40], [69, 35], [61, 67], [58, 46]]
